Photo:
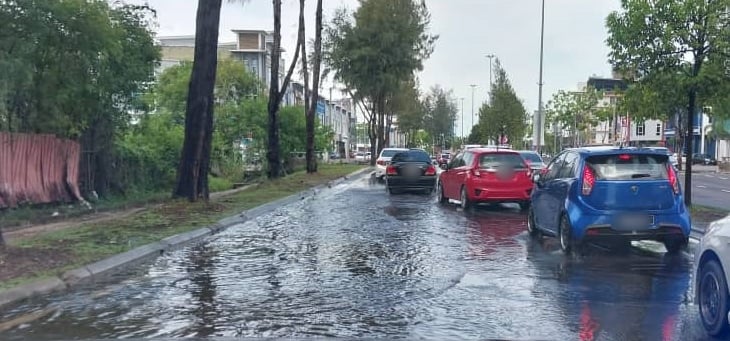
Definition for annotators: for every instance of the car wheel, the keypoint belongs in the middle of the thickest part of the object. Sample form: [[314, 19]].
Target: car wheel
[[465, 203], [565, 234], [531, 228], [442, 198], [713, 299], [675, 245], [524, 205]]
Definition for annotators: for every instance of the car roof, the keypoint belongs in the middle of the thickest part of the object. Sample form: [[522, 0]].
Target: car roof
[[481, 150], [398, 149], [527, 151], [608, 150]]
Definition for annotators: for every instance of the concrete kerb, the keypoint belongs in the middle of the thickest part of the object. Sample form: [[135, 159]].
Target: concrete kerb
[[138, 255]]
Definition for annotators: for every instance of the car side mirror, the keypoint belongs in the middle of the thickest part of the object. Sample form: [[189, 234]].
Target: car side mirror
[[444, 166], [536, 177]]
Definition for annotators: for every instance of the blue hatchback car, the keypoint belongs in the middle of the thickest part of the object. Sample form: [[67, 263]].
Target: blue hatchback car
[[609, 194]]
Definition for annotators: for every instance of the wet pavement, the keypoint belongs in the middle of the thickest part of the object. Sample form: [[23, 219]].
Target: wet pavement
[[356, 262]]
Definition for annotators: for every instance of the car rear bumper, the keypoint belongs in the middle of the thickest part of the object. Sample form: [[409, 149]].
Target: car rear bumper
[[673, 225], [410, 183], [516, 194]]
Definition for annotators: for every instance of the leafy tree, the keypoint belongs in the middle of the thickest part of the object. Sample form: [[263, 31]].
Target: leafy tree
[[675, 37], [374, 49], [440, 114], [409, 110], [504, 115], [577, 111]]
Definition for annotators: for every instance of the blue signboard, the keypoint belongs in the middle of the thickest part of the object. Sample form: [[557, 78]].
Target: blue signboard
[[321, 107]]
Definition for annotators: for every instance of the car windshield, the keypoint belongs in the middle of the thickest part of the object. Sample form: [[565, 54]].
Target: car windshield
[[500, 160], [390, 152], [411, 156], [532, 157], [629, 167]]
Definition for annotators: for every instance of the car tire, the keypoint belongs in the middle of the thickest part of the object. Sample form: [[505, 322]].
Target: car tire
[[442, 197], [675, 245], [713, 299], [524, 205], [565, 235], [531, 228], [465, 203]]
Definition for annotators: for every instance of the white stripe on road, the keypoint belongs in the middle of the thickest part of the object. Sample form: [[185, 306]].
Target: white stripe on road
[[721, 178], [725, 190], [701, 186], [709, 176]]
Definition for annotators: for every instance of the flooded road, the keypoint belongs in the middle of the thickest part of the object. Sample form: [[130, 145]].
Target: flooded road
[[355, 262]]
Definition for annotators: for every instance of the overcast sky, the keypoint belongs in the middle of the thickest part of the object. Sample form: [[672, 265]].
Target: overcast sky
[[575, 35]]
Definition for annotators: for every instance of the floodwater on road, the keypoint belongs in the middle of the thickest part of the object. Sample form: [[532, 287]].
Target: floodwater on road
[[354, 261]]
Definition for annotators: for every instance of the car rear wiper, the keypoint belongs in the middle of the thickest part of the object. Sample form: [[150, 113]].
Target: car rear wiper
[[640, 175]]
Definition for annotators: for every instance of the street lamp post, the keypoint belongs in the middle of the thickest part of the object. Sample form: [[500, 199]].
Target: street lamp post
[[473, 86], [541, 114], [490, 56], [462, 118]]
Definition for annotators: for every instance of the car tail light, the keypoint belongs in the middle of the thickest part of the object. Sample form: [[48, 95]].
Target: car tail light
[[431, 170], [624, 157], [381, 162], [589, 179], [673, 179], [390, 170]]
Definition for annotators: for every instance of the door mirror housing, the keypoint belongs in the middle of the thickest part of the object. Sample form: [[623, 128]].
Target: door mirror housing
[[536, 177], [444, 166]]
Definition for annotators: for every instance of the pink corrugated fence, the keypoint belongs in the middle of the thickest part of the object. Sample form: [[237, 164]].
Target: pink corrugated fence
[[36, 169]]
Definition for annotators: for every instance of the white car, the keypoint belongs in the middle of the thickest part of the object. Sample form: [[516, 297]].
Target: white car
[[382, 161], [712, 266]]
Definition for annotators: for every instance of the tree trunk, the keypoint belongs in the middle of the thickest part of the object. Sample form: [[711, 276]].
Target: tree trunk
[[192, 176], [273, 150], [311, 159], [380, 114]]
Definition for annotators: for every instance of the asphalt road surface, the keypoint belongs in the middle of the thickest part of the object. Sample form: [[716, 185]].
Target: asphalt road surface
[[710, 189], [355, 262]]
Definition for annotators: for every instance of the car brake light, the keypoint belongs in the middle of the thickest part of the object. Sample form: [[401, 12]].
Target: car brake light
[[589, 179], [431, 170], [673, 179], [381, 162], [390, 170], [624, 157]]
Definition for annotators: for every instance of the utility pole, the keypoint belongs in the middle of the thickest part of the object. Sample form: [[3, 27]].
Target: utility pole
[[473, 86], [462, 118], [540, 109], [490, 56]]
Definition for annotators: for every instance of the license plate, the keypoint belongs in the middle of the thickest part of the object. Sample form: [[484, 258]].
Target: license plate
[[634, 222], [413, 171]]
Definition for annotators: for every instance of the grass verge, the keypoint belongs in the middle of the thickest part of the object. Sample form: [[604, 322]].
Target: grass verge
[[72, 247], [705, 214]]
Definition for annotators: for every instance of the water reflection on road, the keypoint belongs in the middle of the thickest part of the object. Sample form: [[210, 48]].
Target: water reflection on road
[[357, 262]]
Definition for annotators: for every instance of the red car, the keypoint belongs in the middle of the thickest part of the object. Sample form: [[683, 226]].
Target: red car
[[486, 175]]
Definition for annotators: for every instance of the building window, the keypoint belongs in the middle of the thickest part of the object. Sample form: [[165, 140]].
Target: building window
[[640, 130], [658, 129]]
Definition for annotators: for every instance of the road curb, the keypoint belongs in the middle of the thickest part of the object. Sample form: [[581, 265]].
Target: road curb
[[29, 290], [101, 269]]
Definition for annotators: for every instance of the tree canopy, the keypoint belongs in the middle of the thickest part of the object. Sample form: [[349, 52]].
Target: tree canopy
[[503, 115], [372, 50], [652, 39]]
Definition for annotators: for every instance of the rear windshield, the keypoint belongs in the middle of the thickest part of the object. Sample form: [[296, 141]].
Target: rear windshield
[[500, 160], [446, 156], [532, 157], [390, 152], [411, 156], [629, 167]]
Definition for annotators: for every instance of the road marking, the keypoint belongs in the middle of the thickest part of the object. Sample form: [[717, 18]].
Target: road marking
[[725, 190], [722, 178], [701, 186], [709, 176]]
